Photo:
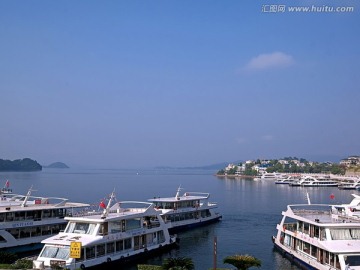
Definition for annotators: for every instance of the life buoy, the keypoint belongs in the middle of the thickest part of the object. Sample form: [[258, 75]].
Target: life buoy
[[82, 266], [108, 260]]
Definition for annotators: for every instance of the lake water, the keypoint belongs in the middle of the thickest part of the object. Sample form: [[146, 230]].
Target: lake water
[[250, 209]]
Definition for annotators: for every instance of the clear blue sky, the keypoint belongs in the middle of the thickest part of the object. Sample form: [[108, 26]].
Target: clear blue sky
[[177, 83]]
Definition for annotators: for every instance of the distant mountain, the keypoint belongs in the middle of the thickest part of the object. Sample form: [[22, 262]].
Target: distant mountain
[[20, 165], [57, 165]]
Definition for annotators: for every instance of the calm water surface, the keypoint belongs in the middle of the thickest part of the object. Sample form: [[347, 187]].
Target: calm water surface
[[250, 209]]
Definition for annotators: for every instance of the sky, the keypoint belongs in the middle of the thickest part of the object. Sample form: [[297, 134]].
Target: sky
[[146, 83]]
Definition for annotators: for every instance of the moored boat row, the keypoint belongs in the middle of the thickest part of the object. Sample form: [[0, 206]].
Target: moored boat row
[[122, 231]]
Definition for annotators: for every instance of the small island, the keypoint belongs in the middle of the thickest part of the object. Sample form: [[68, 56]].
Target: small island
[[19, 165], [57, 165]]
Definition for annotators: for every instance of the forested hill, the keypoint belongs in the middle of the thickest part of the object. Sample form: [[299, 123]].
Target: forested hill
[[20, 165]]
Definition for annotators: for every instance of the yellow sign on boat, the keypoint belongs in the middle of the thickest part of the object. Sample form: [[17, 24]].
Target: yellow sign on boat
[[75, 250]]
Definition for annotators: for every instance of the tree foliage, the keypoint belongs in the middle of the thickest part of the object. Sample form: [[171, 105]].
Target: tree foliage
[[22, 165], [179, 263], [242, 262]]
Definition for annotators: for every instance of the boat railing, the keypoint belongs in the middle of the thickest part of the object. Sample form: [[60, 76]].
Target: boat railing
[[206, 195]]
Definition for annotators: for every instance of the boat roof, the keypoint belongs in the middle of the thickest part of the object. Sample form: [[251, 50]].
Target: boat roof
[[116, 212], [17, 203], [187, 196], [322, 215], [65, 239]]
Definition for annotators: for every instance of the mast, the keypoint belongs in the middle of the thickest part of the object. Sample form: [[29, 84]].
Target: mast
[[178, 192], [106, 210], [28, 194]]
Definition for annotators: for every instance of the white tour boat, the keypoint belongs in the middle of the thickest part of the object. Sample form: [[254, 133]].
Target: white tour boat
[[288, 180], [115, 235], [349, 184], [6, 189], [323, 237], [26, 220], [192, 209], [271, 176], [311, 181]]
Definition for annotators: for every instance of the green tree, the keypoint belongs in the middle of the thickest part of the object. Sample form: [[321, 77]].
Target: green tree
[[179, 263], [242, 262]]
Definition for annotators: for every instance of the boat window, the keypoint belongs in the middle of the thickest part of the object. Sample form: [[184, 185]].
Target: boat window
[[300, 226], [46, 213], [45, 230], [2, 217], [306, 247], [340, 234], [2, 239], [110, 247], [127, 243], [352, 260], [10, 216], [119, 245], [55, 252], [29, 214], [79, 227], [90, 252], [19, 215], [306, 228], [132, 224], [100, 250], [316, 231], [314, 251], [355, 233]]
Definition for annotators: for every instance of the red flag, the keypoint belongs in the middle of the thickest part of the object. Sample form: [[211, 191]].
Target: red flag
[[102, 204], [332, 196], [7, 184]]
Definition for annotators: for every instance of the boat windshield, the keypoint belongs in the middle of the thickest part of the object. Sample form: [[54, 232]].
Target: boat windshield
[[352, 260], [80, 227], [55, 252]]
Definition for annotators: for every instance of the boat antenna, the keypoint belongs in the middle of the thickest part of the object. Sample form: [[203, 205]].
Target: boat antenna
[[178, 192], [28, 194], [106, 210], [308, 198]]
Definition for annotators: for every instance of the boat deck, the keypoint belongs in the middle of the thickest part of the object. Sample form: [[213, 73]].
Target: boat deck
[[323, 214]]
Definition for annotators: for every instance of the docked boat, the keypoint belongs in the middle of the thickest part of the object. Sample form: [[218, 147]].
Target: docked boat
[[349, 184], [188, 210], [6, 189], [288, 180], [311, 181], [26, 220], [271, 176], [120, 232], [318, 236]]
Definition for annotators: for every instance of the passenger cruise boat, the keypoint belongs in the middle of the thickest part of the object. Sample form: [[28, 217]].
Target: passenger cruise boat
[[271, 176], [116, 234], [350, 184], [26, 220], [288, 180], [189, 210], [318, 236], [6, 189], [311, 181]]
